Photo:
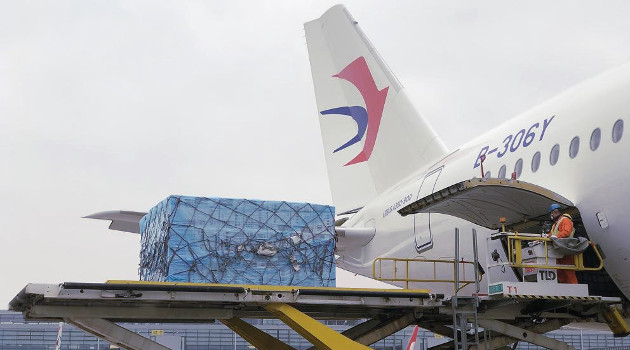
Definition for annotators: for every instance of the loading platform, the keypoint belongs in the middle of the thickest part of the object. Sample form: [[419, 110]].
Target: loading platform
[[97, 307], [522, 297]]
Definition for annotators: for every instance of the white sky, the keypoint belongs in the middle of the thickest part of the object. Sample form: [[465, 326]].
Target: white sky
[[117, 104]]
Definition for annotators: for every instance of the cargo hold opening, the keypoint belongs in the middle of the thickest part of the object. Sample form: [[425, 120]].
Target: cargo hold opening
[[525, 209]]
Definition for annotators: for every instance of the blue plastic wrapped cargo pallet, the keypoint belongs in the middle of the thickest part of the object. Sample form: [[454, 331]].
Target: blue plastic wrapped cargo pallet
[[238, 241]]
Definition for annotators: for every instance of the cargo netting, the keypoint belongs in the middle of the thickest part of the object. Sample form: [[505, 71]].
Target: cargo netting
[[238, 241]]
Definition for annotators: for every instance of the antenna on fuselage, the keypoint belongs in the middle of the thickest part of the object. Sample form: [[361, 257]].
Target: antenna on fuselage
[[482, 158]]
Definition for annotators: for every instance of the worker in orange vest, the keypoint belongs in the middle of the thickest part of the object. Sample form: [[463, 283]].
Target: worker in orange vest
[[563, 228]]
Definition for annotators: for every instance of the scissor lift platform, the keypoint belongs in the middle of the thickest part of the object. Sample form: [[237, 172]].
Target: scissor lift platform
[[97, 307]]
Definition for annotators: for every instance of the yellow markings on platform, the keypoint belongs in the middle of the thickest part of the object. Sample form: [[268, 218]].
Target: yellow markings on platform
[[267, 288], [321, 336], [318, 334], [553, 297]]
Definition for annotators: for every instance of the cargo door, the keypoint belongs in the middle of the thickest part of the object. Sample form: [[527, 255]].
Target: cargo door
[[422, 222], [484, 201], [523, 205]]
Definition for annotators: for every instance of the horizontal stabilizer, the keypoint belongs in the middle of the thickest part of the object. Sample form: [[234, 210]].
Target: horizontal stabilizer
[[125, 221]]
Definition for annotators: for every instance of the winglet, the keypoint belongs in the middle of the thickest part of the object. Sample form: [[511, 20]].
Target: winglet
[[122, 220]]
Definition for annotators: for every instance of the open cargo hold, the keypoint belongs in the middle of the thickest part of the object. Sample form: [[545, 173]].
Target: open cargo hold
[[238, 241]]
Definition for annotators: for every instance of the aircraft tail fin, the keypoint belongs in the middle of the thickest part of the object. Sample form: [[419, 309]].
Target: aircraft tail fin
[[411, 344], [373, 136]]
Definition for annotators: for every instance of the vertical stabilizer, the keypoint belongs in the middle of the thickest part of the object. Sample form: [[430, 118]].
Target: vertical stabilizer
[[373, 136]]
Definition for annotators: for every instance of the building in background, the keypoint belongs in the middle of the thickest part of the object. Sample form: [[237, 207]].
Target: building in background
[[18, 334]]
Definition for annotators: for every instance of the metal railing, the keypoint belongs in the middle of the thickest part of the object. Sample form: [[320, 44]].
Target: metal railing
[[515, 254], [404, 276], [462, 314]]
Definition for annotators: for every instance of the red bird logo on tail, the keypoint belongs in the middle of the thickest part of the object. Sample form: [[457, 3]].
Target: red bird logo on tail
[[358, 74]]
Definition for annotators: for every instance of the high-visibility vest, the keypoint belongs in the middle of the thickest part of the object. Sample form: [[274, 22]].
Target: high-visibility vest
[[556, 225]]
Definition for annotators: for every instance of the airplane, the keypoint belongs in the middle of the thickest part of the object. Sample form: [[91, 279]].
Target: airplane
[[59, 333], [411, 344], [399, 193]]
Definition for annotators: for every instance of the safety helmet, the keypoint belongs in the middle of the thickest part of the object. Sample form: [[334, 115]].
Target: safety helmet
[[554, 206]]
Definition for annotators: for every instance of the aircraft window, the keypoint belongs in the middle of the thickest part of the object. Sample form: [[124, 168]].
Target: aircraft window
[[535, 162], [487, 174], [555, 153], [502, 172], [596, 136], [518, 167], [617, 131], [574, 147]]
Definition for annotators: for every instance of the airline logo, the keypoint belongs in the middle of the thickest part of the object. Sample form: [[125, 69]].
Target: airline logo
[[368, 119]]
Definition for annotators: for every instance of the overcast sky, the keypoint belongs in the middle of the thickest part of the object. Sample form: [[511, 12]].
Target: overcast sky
[[117, 104]]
